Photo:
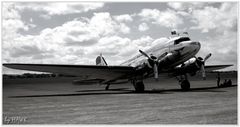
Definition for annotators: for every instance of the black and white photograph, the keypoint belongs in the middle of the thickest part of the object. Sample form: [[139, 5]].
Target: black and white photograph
[[119, 63]]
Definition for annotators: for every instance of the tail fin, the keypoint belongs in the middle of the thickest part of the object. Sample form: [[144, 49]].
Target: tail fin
[[101, 61]]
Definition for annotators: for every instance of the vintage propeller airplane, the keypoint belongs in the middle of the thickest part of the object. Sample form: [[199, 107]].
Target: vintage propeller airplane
[[174, 57]]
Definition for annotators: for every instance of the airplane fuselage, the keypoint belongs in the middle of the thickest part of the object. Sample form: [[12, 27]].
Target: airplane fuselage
[[178, 49]]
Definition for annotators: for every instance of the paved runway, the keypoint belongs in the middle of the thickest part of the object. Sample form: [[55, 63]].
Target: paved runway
[[51, 101]]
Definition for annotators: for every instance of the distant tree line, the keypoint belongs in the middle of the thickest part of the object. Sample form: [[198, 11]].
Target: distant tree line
[[30, 75], [223, 71]]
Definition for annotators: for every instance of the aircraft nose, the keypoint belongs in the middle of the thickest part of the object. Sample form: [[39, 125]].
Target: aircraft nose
[[195, 43]]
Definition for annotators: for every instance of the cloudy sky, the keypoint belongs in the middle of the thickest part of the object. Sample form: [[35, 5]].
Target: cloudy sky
[[76, 32]]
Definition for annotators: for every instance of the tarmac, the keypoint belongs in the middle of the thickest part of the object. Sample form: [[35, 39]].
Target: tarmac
[[58, 101]]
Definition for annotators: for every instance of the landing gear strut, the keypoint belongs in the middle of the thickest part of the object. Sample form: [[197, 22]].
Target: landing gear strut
[[107, 87], [185, 84], [139, 86]]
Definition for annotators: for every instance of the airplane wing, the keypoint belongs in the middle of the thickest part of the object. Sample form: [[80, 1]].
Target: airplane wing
[[181, 70], [215, 67], [104, 73], [89, 71]]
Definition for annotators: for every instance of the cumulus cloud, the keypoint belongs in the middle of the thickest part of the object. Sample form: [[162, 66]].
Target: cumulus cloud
[[72, 41], [26, 50], [144, 41], [11, 21], [102, 23], [143, 27], [176, 5], [79, 41], [187, 6], [207, 17], [49, 9], [90, 35], [222, 47], [222, 18], [11, 25], [122, 48], [123, 18], [167, 18], [61, 8]]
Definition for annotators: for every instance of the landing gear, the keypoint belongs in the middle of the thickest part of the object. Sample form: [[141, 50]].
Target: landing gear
[[185, 85], [107, 87], [183, 81], [139, 86]]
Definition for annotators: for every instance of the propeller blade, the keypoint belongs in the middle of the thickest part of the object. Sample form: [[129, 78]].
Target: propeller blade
[[201, 63], [155, 65], [203, 72], [145, 54], [155, 70], [207, 57]]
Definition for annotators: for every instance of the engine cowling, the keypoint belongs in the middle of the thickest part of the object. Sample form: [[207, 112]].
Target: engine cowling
[[191, 66], [153, 63], [168, 58]]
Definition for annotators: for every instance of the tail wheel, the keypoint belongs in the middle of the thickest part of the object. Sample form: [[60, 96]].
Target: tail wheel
[[139, 87], [185, 85]]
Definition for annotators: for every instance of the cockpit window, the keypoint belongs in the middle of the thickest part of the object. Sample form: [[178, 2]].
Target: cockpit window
[[181, 40]]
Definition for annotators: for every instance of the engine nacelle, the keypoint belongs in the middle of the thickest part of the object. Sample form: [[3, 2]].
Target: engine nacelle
[[168, 59], [191, 66]]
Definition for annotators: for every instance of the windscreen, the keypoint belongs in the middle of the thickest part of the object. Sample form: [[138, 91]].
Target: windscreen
[[181, 40]]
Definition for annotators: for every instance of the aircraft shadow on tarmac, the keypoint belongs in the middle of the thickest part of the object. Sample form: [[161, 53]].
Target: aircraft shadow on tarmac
[[127, 91]]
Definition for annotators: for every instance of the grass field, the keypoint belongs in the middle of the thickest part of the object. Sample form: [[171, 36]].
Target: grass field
[[58, 101]]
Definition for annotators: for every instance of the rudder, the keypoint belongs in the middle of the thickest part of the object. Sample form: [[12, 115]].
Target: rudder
[[101, 61]]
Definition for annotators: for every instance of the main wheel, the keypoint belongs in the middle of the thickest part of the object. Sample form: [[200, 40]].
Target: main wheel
[[185, 85], [107, 87], [139, 87]]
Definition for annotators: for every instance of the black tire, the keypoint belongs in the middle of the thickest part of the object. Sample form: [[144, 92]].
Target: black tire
[[139, 87], [107, 87], [185, 85]]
